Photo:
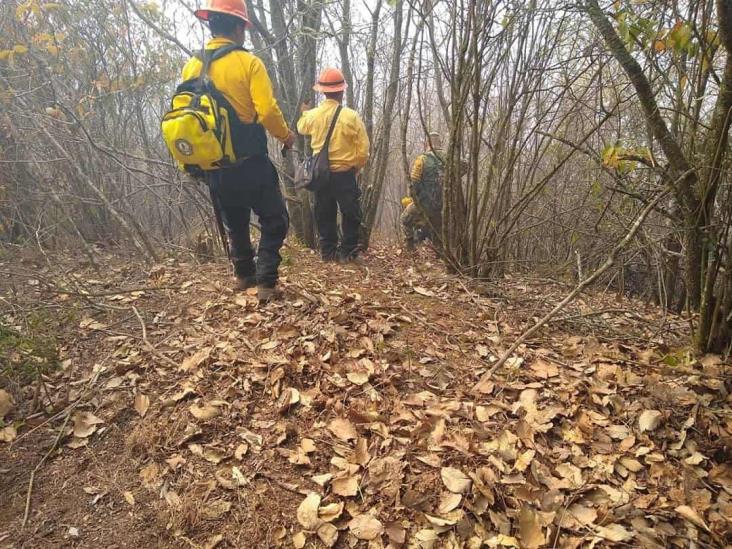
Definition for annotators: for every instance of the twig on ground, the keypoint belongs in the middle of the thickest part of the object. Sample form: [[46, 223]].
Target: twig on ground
[[114, 292], [150, 346]]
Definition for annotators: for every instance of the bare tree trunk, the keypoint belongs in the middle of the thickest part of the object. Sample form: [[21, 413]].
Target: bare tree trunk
[[371, 197], [312, 14], [368, 114], [715, 153], [344, 44]]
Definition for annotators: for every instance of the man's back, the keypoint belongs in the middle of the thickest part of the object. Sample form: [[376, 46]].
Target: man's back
[[242, 78], [427, 175], [349, 145]]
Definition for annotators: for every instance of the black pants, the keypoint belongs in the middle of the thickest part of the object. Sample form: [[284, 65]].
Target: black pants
[[252, 186], [342, 193]]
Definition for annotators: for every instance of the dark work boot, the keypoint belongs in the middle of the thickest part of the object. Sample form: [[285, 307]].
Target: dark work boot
[[329, 256], [244, 282], [266, 294]]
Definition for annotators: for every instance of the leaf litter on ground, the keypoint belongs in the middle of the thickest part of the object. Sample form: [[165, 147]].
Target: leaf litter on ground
[[350, 416]]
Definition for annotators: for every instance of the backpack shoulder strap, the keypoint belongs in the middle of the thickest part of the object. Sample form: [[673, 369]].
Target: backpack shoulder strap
[[332, 127], [209, 56], [218, 53]]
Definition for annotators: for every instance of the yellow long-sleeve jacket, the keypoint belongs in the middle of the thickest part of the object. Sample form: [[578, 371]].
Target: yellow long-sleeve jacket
[[349, 144], [417, 168], [242, 78]]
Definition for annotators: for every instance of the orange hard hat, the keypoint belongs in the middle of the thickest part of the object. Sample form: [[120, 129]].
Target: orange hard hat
[[330, 80], [235, 8]]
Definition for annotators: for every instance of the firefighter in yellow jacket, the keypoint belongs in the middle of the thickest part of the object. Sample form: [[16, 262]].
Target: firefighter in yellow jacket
[[423, 216], [348, 153], [252, 184]]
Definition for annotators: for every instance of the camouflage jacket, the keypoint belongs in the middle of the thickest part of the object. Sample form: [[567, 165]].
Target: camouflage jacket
[[427, 177]]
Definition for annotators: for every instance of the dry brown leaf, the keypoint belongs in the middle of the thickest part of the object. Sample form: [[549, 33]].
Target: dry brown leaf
[[85, 424], [358, 378], [173, 499], [695, 458], [241, 451], [485, 386], [530, 530], [366, 526], [455, 480], [618, 432], [300, 455], [254, 440], [150, 476], [361, 454], [649, 420], [424, 291], [544, 369], [502, 540], [114, 383], [584, 515], [214, 541], [485, 413], [438, 521], [433, 460], [6, 403], [180, 395], [346, 486], [524, 460], [212, 510], [238, 477], [614, 532], [307, 512], [299, 540], [8, 434], [396, 533], [343, 429], [307, 445], [632, 465], [142, 403], [175, 461], [209, 453], [289, 397], [204, 411], [571, 473], [330, 512], [449, 502], [322, 480], [426, 538], [328, 534], [692, 516], [269, 345], [195, 360]]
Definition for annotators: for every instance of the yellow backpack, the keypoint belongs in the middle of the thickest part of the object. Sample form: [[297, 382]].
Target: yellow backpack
[[202, 130]]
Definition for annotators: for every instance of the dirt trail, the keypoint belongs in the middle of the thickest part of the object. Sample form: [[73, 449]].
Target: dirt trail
[[345, 417]]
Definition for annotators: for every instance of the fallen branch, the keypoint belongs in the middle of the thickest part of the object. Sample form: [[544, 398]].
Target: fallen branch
[[29, 493], [609, 262], [150, 346]]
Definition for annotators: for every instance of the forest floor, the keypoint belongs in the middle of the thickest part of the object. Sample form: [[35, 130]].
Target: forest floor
[[186, 415]]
